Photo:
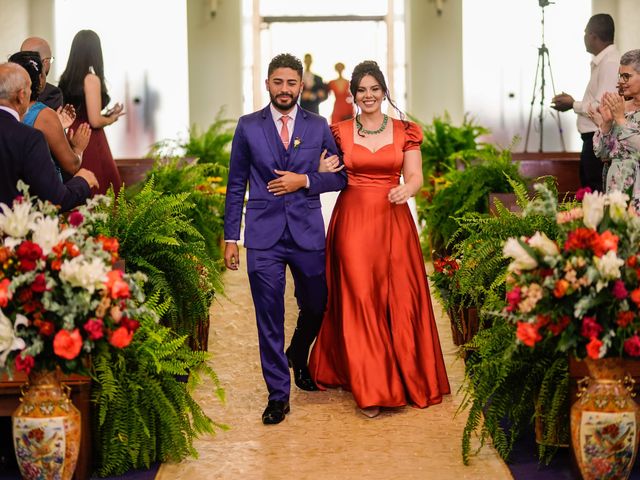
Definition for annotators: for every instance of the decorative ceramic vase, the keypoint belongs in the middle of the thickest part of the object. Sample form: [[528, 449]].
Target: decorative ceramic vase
[[605, 421], [46, 429]]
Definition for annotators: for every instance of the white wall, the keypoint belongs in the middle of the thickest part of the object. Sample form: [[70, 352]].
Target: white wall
[[15, 26], [434, 60], [215, 60]]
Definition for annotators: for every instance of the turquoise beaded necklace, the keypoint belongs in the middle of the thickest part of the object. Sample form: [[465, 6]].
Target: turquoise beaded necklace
[[385, 119]]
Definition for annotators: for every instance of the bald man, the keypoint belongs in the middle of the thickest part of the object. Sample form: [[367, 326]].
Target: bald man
[[51, 95], [24, 154]]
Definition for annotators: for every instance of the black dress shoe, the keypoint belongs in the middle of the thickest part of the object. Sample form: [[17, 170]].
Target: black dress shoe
[[275, 412], [301, 375]]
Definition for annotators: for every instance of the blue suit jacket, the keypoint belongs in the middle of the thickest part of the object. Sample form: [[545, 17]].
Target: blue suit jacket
[[256, 152], [24, 155]]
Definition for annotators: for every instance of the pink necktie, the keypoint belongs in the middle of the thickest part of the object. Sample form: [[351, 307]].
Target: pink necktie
[[284, 133]]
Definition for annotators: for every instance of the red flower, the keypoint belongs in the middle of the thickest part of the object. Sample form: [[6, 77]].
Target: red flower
[[593, 348], [76, 218], [513, 298], [528, 334], [632, 261], [67, 344], [130, 324], [39, 285], [5, 294], [635, 296], [581, 193], [590, 327], [28, 252], [121, 337], [45, 327], [604, 243], [632, 346], [117, 287], [624, 318], [109, 244], [579, 239], [94, 327], [24, 364], [619, 291], [560, 325]]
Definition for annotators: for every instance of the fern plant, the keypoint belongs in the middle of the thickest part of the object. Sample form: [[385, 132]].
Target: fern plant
[[143, 412], [157, 237]]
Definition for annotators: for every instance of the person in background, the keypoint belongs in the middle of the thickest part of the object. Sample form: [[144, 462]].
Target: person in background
[[66, 150], [314, 90], [343, 105], [50, 95], [598, 40], [83, 85], [23, 150], [617, 140], [378, 338]]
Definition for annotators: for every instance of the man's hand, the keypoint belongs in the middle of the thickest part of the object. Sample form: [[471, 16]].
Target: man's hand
[[288, 182], [562, 102], [231, 256], [89, 176]]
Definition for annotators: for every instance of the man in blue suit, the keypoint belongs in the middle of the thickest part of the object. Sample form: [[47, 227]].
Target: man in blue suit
[[24, 154], [277, 150]]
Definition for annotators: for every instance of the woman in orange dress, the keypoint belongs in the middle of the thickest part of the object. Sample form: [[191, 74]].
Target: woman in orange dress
[[378, 338], [343, 105]]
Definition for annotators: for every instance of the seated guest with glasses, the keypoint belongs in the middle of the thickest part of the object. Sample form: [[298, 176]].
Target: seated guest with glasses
[[617, 140], [50, 95]]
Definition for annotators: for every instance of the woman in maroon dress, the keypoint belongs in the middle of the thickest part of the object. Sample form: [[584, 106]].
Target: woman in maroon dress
[[82, 84]]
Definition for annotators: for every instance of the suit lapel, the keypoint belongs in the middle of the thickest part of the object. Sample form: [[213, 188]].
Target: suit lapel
[[299, 130], [271, 135]]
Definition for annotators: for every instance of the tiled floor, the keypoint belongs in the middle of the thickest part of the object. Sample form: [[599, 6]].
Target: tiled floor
[[323, 437]]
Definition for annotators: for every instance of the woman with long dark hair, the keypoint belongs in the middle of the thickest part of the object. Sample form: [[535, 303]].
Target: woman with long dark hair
[[82, 84], [378, 338]]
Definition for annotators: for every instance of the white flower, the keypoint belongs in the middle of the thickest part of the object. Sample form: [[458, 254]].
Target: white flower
[[617, 205], [47, 234], [593, 208], [542, 243], [521, 258], [8, 339], [608, 267], [17, 222], [86, 274]]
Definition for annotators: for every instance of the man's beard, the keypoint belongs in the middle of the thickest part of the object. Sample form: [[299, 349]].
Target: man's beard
[[284, 106]]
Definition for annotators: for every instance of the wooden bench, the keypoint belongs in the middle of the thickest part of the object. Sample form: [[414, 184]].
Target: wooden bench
[[81, 397], [133, 170]]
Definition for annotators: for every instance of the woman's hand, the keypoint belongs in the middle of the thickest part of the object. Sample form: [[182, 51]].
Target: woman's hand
[[400, 194], [615, 103], [67, 115], [80, 138], [114, 113], [330, 164]]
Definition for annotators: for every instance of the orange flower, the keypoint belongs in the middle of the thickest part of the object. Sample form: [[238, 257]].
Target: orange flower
[[528, 334], [67, 344], [604, 243], [109, 244], [593, 348], [561, 288], [121, 337], [632, 261], [624, 318], [117, 287], [5, 294], [635, 296]]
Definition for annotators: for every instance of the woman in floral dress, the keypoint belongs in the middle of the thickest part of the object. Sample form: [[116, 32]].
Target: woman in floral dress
[[617, 140]]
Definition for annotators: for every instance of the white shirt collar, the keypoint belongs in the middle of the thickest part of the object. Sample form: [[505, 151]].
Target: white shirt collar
[[605, 51], [277, 115], [11, 111]]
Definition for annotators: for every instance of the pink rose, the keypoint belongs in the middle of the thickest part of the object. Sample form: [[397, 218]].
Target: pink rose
[[94, 327], [590, 327], [619, 291], [632, 346], [76, 218], [581, 193]]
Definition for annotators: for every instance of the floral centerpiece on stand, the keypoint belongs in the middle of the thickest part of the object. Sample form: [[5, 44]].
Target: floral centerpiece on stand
[[61, 297], [582, 291]]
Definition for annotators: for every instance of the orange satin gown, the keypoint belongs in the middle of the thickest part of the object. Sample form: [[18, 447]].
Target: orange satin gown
[[378, 338]]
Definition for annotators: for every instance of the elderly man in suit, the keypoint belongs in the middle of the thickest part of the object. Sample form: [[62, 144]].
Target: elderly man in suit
[[24, 154], [51, 95], [277, 150]]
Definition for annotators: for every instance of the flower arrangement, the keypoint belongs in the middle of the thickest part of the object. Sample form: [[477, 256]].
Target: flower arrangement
[[582, 288], [60, 294], [443, 276]]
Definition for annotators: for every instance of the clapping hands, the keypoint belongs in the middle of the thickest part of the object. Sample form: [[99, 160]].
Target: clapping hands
[[67, 115]]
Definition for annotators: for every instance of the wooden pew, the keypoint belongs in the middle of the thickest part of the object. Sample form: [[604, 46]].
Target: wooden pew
[[133, 170]]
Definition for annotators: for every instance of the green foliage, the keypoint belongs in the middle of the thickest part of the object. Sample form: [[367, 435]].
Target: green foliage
[[502, 381], [158, 238], [467, 191], [211, 146], [143, 412]]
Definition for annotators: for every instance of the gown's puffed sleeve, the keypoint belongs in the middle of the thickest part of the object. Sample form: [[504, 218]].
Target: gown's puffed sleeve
[[335, 131], [412, 137]]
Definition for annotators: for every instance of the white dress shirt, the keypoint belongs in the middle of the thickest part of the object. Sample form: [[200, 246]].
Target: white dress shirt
[[604, 78], [11, 111], [276, 115]]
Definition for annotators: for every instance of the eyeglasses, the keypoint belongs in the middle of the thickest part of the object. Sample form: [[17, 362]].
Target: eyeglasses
[[51, 59], [624, 77]]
